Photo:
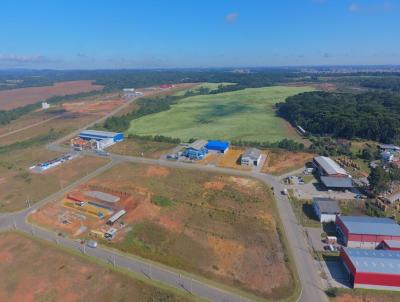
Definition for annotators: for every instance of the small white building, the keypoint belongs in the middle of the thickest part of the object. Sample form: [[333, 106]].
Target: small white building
[[45, 105], [251, 157], [326, 209]]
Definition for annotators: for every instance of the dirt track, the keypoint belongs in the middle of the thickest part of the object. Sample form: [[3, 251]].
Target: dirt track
[[10, 99]]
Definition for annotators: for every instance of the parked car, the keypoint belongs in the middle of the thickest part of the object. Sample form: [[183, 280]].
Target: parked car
[[92, 244]]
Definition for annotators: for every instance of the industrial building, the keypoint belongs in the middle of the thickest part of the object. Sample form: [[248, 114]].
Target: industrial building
[[251, 157], [372, 269], [52, 163], [392, 245], [326, 209], [196, 150], [331, 174], [103, 139], [218, 146], [366, 232]]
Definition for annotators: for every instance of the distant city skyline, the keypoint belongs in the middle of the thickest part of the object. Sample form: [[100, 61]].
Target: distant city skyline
[[197, 34]]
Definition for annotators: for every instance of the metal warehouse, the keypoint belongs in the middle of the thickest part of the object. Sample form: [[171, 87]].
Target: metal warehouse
[[366, 232], [100, 135], [374, 269], [392, 245], [327, 166], [219, 146]]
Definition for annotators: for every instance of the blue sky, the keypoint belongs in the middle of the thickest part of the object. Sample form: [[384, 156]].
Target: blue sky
[[197, 33]]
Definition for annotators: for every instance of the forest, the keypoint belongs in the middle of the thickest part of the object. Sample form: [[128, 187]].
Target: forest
[[370, 115]]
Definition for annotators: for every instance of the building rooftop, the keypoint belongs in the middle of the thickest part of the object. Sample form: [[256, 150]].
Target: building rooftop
[[198, 144], [365, 225], [389, 147], [253, 153], [220, 145], [337, 182], [393, 244], [329, 165], [98, 133], [327, 205], [374, 261]]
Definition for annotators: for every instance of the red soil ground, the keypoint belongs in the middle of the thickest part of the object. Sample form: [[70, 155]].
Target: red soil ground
[[10, 99]]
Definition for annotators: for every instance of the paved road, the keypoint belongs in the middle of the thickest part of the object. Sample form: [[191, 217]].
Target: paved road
[[310, 280]]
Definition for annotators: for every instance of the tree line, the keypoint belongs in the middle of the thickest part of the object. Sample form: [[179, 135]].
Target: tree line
[[370, 115]]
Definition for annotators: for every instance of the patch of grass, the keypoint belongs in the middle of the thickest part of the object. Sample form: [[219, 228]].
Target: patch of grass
[[304, 212], [161, 201], [231, 115], [59, 265]]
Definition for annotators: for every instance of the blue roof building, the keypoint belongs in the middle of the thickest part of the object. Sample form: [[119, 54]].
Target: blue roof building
[[101, 135], [219, 146]]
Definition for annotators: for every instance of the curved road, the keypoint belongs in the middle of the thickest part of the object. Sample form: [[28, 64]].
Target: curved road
[[310, 280]]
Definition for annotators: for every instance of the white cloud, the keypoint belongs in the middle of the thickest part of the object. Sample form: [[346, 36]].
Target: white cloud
[[232, 17], [380, 7]]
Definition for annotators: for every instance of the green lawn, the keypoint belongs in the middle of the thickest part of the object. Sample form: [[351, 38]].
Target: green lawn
[[247, 114]]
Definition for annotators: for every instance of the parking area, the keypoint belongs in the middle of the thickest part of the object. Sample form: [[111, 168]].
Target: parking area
[[315, 189]]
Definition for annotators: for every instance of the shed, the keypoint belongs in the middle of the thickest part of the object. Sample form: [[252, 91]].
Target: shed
[[326, 209]]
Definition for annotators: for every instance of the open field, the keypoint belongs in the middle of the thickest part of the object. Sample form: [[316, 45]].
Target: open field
[[211, 86], [57, 275], [138, 147], [221, 227], [10, 99], [63, 118], [17, 183], [281, 162], [360, 295], [247, 114]]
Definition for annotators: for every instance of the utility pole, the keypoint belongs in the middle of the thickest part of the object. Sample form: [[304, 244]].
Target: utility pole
[[114, 260], [15, 223]]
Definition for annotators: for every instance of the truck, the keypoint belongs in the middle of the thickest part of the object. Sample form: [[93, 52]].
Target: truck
[[285, 192], [115, 217], [110, 234]]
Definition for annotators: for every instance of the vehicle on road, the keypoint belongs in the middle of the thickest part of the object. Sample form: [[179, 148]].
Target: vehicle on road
[[92, 244]]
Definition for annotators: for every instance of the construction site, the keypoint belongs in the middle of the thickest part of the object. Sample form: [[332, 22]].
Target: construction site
[[87, 211]]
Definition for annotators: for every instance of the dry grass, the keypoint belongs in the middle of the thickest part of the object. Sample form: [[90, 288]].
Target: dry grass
[[18, 183], [56, 275], [281, 162], [218, 226]]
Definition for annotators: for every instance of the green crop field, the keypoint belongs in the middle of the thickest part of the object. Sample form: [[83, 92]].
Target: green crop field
[[247, 114]]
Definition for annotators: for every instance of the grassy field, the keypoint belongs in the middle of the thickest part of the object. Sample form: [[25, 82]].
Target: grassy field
[[138, 147], [58, 275], [17, 183], [247, 114], [211, 86], [221, 227]]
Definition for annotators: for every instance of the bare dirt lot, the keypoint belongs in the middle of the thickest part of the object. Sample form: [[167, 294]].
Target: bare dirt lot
[[56, 275], [218, 226], [10, 99], [281, 162], [366, 296]]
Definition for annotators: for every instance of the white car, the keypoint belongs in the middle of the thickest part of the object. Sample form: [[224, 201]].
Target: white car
[[92, 244]]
